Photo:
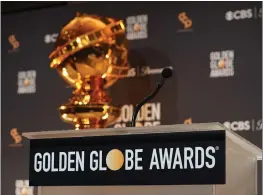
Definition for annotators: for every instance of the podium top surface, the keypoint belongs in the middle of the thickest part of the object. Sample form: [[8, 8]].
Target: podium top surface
[[148, 130], [124, 131]]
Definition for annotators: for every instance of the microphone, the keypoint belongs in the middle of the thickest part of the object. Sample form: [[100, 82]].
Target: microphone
[[166, 73]]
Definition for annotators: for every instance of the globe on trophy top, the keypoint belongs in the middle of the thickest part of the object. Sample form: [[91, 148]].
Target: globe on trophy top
[[90, 55]]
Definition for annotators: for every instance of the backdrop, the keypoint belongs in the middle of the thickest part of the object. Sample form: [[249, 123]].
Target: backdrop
[[214, 49]]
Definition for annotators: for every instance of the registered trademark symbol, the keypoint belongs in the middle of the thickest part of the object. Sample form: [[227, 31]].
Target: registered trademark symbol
[[217, 148]]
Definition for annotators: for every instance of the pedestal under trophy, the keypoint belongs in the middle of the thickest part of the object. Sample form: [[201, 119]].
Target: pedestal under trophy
[[90, 55]]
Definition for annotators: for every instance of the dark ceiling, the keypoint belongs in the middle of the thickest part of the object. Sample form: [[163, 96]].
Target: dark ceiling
[[8, 7]]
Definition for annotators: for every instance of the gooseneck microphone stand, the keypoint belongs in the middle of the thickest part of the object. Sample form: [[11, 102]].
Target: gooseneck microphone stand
[[166, 73]]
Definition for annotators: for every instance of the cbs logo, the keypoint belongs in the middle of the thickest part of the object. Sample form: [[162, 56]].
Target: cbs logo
[[238, 125], [239, 14]]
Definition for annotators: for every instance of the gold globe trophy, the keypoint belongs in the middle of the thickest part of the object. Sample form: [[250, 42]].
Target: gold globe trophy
[[90, 55]]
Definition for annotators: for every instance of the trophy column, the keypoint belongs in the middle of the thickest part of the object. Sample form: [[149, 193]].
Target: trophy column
[[89, 106]]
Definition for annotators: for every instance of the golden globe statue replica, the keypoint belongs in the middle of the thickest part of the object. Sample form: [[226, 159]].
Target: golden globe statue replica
[[90, 55]]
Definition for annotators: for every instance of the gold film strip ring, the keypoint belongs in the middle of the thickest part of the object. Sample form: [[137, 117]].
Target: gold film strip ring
[[94, 36], [83, 41]]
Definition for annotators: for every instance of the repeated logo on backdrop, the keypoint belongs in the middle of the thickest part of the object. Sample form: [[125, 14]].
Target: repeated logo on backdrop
[[149, 115], [246, 125], [186, 22], [17, 138], [22, 188], [137, 27], [26, 82], [14, 43], [144, 71], [243, 14], [50, 38], [222, 63]]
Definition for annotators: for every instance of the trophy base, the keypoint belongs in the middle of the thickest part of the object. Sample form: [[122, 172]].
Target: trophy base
[[90, 115]]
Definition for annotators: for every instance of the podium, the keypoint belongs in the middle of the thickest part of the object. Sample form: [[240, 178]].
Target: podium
[[239, 162]]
